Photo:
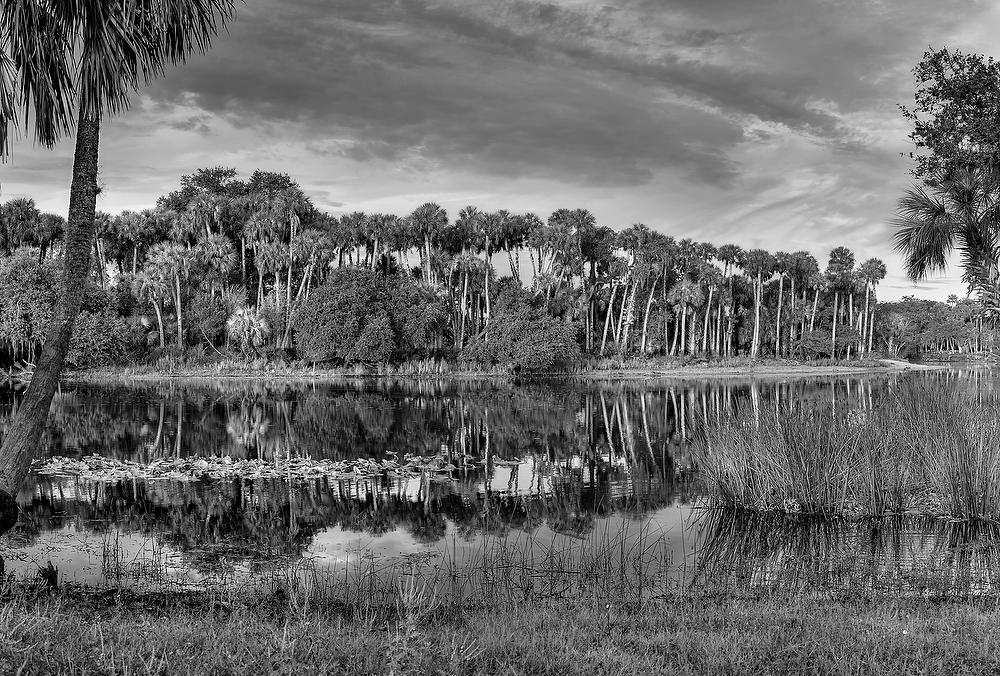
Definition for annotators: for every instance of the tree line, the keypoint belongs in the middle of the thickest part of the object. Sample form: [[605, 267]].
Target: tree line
[[252, 267]]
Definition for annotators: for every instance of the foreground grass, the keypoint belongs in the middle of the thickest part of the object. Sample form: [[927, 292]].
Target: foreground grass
[[685, 635]]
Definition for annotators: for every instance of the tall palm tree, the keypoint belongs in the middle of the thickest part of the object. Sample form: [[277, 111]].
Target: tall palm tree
[[428, 221], [784, 265], [871, 272], [759, 266], [82, 59], [840, 276]]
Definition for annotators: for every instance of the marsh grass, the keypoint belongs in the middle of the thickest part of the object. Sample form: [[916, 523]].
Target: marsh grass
[[772, 593], [921, 449], [687, 632]]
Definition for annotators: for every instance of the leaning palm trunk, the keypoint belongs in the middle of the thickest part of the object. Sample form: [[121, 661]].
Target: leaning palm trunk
[[20, 444]]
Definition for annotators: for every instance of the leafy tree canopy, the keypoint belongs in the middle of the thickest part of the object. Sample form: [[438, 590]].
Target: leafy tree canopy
[[956, 112]]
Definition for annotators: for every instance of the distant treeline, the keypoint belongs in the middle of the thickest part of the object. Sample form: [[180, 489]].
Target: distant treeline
[[252, 269]]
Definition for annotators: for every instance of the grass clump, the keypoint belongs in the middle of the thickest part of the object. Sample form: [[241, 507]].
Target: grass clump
[[919, 449]]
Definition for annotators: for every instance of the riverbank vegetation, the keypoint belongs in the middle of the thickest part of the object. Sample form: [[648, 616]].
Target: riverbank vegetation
[[250, 269], [921, 449]]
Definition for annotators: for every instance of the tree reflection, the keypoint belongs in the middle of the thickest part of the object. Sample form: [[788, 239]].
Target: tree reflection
[[743, 551]]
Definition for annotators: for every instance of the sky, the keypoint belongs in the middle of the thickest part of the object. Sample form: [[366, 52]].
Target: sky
[[764, 123]]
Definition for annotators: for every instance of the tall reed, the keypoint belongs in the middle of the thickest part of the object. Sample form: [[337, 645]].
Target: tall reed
[[920, 448]]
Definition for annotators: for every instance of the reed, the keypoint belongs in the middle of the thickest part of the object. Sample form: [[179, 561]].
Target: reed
[[922, 449]]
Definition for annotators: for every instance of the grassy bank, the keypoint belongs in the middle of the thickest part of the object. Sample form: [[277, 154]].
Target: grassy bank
[[439, 368], [688, 634]]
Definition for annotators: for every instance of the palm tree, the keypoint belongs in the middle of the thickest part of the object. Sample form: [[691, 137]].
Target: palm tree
[[428, 221], [871, 272], [759, 265], [84, 57], [172, 261], [729, 255], [152, 288], [840, 275], [956, 210], [784, 266], [685, 295]]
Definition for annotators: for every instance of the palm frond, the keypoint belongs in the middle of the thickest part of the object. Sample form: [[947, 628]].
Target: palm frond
[[58, 57], [925, 233], [36, 78]]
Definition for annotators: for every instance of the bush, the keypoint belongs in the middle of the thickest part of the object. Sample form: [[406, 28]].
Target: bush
[[418, 318], [206, 318], [360, 316], [523, 337], [247, 330], [28, 292], [101, 339]]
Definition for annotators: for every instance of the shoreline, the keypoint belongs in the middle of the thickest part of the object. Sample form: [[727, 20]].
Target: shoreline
[[638, 372]]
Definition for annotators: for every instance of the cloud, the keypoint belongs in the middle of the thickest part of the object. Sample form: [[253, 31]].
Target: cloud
[[770, 122]]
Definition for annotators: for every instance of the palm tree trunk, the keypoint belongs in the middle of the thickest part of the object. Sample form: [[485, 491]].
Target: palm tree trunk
[[673, 340], [833, 335], [866, 326], [607, 317], [755, 342], [708, 318], [159, 322], [777, 321], [871, 329], [791, 323], [21, 442], [684, 317], [489, 263], [177, 308], [812, 318], [465, 300], [629, 317], [645, 319], [717, 338]]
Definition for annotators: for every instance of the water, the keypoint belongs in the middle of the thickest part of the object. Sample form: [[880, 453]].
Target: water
[[567, 470]]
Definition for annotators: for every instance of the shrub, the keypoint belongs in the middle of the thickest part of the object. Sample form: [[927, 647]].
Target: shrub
[[28, 291], [329, 324], [522, 336], [206, 318], [102, 339], [418, 317], [362, 316], [247, 330]]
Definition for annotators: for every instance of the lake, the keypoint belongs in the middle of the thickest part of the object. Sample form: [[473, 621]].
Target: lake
[[550, 478]]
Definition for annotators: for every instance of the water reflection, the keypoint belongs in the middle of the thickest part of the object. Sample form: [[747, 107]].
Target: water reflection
[[556, 461], [898, 556], [368, 418]]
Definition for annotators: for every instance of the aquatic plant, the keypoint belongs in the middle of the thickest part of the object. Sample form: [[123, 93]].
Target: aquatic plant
[[921, 449]]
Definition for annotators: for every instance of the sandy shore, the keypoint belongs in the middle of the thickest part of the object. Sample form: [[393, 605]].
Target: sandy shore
[[765, 371], [692, 372]]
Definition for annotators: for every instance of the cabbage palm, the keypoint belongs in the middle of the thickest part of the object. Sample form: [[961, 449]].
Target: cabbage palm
[[82, 59], [959, 210]]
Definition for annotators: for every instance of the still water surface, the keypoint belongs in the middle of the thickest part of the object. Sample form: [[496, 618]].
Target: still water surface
[[565, 467]]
